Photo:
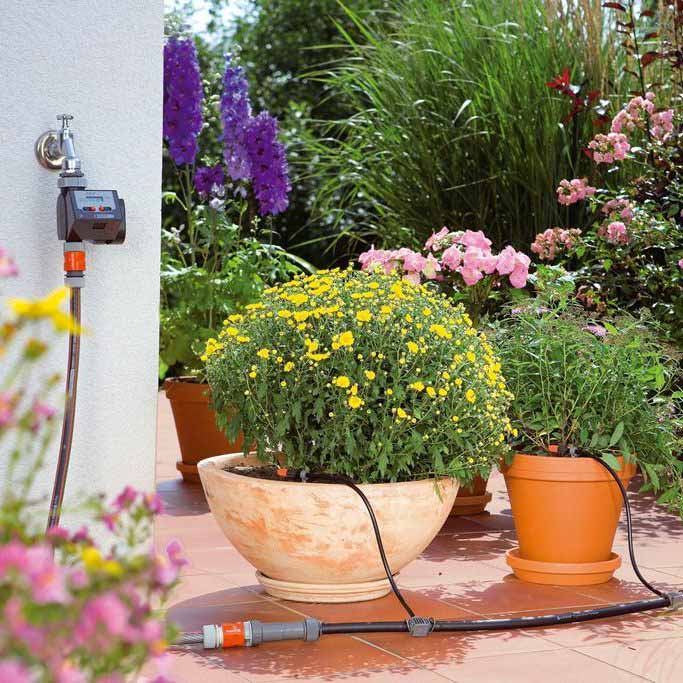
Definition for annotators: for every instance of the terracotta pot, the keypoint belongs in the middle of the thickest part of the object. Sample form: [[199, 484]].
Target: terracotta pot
[[195, 424], [314, 542], [473, 499], [566, 512]]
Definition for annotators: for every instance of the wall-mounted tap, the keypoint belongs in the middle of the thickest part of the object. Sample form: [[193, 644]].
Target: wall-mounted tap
[[71, 163]]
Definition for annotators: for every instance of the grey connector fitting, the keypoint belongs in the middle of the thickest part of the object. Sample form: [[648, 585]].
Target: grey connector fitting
[[256, 632], [676, 600], [419, 627]]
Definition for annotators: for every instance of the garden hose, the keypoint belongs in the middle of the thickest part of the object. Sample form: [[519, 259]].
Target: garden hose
[[253, 632], [74, 266]]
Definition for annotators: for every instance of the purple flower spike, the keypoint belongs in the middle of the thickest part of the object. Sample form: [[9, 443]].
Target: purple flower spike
[[183, 97], [206, 177], [269, 169], [236, 115]]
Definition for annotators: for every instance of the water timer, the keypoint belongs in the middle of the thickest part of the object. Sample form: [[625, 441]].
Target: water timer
[[97, 216]]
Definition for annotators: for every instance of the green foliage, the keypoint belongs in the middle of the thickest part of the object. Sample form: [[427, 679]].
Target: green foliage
[[453, 123], [364, 375], [599, 389], [210, 271]]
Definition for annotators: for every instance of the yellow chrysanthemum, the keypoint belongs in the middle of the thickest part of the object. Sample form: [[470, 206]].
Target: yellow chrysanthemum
[[355, 401], [364, 316], [342, 381]]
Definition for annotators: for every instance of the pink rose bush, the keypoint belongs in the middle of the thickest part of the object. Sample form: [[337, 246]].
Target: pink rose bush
[[71, 611], [572, 191], [552, 242], [461, 262]]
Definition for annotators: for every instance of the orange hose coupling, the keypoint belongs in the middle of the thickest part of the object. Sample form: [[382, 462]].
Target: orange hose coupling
[[74, 260], [233, 634]]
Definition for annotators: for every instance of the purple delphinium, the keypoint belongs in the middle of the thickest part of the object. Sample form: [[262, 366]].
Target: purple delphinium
[[269, 171], [183, 96], [235, 115], [205, 177]]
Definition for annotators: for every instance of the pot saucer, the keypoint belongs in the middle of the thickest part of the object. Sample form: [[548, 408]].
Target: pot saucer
[[562, 573]]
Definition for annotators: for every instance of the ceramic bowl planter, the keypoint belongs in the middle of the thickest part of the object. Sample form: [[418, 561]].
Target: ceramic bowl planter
[[314, 542], [472, 499], [566, 512], [195, 423]]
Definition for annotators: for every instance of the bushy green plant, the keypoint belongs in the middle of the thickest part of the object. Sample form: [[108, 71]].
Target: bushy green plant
[[453, 122], [591, 388], [361, 374]]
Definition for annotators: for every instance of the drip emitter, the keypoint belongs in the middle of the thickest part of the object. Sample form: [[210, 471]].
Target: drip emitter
[[83, 215], [252, 632]]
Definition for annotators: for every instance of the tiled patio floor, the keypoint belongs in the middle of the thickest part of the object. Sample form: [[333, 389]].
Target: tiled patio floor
[[461, 575]]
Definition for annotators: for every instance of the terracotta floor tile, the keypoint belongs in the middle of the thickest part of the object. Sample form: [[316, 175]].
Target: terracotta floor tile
[[436, 571], [468, 547], [203, 590], [657, 660], [334, 658], [507, 595], [643, 626], [559, 666], [444, 653]]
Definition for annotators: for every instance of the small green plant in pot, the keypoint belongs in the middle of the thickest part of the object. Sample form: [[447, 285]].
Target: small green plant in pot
[[359, 375], [582, 389]]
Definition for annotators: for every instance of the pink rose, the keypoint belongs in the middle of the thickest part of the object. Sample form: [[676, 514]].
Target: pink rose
[[13, 671], [431, 267], [506, 260]]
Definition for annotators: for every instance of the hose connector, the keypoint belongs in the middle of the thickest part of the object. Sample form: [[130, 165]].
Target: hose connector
[[74, 264], [675, 600], [250, 633]]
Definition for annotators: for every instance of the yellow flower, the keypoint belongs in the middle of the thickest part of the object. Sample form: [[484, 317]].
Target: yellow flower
[[284, 313], [355, 402], [431, 392], [263, 353], [470, 357], [443, 392], [390, 392], [413, 347], [289, 366], [440, 331], [418, 386], [370, 374], [470, 396], [298, 299], [92, 559], [301, 316], [342, 381], [231, 331], [243, 340], [402, 414], [317, 357], [364, 316], [113, 568], [353, 390], [344, 339], [47, 308], [386, 310]]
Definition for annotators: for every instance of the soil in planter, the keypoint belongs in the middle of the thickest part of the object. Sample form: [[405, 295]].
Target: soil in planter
[[271, 472]]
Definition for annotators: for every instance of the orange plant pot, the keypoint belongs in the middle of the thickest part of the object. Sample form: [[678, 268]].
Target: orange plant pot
[[195, 423], [473, 499], [566, 512]]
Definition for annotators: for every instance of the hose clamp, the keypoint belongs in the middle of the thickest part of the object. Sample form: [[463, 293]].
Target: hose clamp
[[420, 627]]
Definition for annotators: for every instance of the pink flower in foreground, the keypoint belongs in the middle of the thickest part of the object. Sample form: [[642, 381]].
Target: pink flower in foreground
[[126, 498], [413, 262], [102, 617], [68, 673], [434, 242], [606, 149], [13, 671], [166, 567], [154, 503], [506, 261], [15, 622], [6, 409], [378, 258], [680, 263], [7, 266], [615, 232], [572, 191]]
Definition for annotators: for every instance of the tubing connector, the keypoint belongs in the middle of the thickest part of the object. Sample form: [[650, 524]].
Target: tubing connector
[[251, 633], [420, 627], [74, 264], [675, 600]]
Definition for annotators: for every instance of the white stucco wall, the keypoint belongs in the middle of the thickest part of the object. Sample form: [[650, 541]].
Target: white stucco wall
[[102, 62]]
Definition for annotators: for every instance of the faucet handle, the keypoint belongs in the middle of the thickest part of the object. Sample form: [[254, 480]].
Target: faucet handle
[[65, 118]]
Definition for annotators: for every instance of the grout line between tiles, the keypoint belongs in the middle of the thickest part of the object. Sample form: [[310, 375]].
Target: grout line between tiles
[[618, 668]]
